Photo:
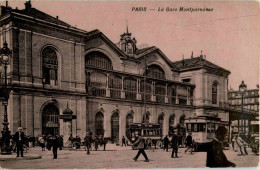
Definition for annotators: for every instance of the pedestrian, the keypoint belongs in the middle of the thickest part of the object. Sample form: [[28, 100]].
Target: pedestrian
[[140, 143], [166, 143], [174, 145], [189, 143], [88, 142], [123, 141], [241, 144], [48, 145], [215, 155], [60, 142], [55, 145], [233, 142], [19, 138], [96, 142], [105, 142], [42, 142]]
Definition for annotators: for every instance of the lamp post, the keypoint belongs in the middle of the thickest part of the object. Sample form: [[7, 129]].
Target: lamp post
[[242, 89], [5, 54]]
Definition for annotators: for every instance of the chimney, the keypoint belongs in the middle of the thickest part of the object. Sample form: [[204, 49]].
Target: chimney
[[192, 54], [28, 5], [57, 17], [257, 86], [201, 56]]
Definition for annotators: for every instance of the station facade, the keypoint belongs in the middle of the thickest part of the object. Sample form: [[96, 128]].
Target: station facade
[[108, 86]]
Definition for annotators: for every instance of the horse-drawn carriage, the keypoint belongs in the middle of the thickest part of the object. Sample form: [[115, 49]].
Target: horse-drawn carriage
[[152, 134]]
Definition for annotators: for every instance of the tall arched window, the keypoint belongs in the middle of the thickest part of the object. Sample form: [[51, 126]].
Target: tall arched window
[[115, 85], [50, 120], [160, 91], [98, 60], [146, 117], [182, 119], [98, 83], [129, 120], [99, 124], [160, 122], [171, 124], [215, 93], [115, 126], [148, 90], [155, 71], [130, 88], [50, 66]]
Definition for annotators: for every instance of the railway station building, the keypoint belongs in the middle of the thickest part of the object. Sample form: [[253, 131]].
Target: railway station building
[[106, 85]]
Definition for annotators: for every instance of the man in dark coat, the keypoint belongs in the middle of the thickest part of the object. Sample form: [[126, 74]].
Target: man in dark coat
[[88, 141], [215, 155], [140, 145], [174, 145], [19, 139], [165, 143], [189, 143], [55, 145], [123, 141]]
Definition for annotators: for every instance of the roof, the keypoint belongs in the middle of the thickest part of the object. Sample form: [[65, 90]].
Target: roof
[[197, 62], [140, 51]]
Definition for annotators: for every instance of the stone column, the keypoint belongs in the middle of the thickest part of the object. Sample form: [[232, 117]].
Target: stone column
[[122, 89], [107, 89]]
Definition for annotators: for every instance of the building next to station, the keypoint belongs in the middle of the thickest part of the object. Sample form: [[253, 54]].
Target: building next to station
[[107, 86], [241, 118]]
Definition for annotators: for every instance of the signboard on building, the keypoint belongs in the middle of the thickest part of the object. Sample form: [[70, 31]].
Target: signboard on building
[[51, 124]]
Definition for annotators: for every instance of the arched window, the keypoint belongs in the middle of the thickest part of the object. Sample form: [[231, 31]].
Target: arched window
[[171, 120], [115, 85], [146, 117], [173, 94], [115, 126], [50, 66], [130, 88], [99, 124], [155, 71], [160, 122], [98, 60], [215, 93], [129, 120], [160, 91], [148, 90], [182, 119], [98, 83]]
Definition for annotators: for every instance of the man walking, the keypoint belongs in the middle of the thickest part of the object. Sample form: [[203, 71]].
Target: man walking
[[140, 145], [189, 143], [19, 139], [123, 141], [55, 145], [241, 145], [166, 143], [174, 145], [215, 155], [88, 141]]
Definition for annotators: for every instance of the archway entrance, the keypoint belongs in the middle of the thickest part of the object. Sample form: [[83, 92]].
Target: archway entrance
[[115, 127], [50, 120]]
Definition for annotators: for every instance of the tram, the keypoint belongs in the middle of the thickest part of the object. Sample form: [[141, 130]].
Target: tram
[[152, 133], [203, 129]]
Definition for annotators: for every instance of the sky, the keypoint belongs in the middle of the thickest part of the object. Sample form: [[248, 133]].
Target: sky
[[229, 35]]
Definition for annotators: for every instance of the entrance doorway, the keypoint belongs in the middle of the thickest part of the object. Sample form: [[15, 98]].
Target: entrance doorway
[[115, 127], [50, 120]]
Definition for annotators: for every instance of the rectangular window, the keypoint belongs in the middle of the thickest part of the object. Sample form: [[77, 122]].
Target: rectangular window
[[186, 80]]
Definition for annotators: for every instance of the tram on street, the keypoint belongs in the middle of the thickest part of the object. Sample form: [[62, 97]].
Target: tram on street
[[152, 133], [202, 129]]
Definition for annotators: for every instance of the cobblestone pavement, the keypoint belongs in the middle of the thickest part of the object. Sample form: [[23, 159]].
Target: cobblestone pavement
[[121, 157]]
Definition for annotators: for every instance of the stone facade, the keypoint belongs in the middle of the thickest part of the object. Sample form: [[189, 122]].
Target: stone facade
[[78, 83]]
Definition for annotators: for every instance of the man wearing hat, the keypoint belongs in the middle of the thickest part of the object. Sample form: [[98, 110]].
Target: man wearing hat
[[140, 145], [19, 139], [174, 145], [215, 154], [189, 143]]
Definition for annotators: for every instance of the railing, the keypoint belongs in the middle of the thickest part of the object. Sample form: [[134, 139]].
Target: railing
[[147, 97], [130, 95], [98, 92], [115, 93]]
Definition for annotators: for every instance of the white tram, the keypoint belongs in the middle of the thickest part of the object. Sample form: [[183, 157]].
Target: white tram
[[203, 129]]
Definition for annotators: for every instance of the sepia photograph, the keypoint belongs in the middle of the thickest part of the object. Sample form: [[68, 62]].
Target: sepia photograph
[[98, 84]]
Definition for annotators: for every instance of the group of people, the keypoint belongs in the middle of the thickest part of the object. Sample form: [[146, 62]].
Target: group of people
[[47, 141], [215, 154]]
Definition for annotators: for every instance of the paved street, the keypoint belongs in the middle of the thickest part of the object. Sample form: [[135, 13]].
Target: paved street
[[118, 157]]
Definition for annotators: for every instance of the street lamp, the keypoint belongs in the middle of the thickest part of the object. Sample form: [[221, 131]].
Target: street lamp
[[5, 54], [242, 89]]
